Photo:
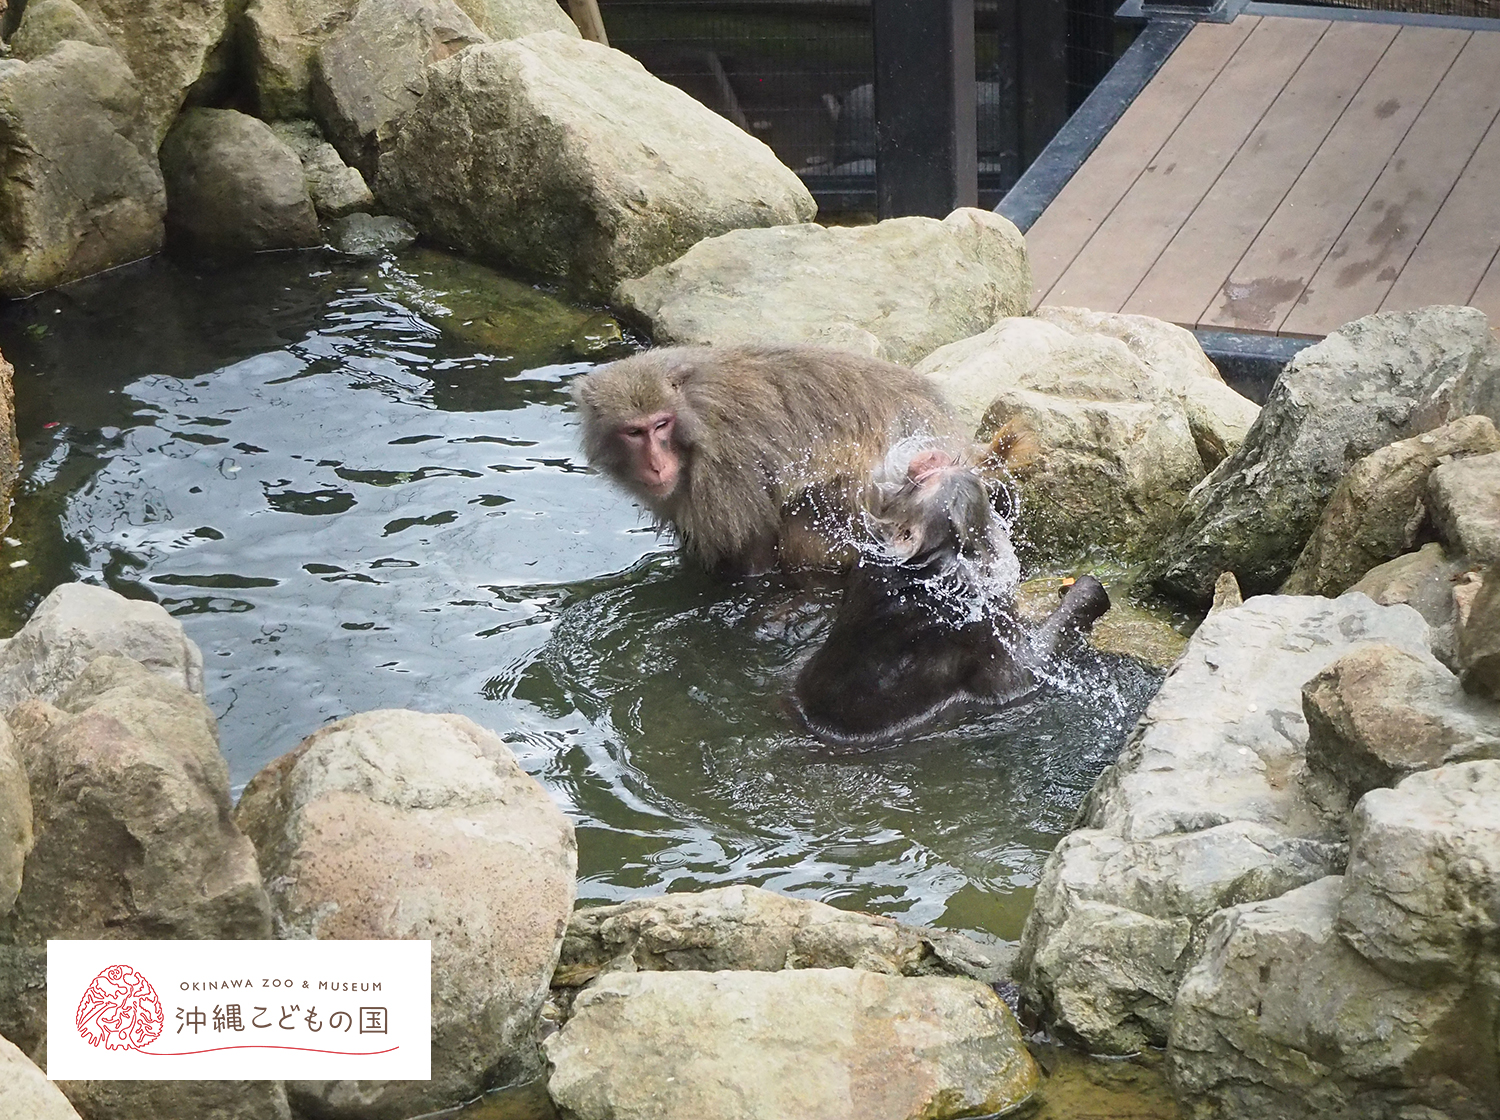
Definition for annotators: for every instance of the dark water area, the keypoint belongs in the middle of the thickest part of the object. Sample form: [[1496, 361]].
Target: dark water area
[[358, 486]]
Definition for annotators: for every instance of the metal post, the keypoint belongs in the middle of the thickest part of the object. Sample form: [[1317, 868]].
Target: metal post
[[925, 161]]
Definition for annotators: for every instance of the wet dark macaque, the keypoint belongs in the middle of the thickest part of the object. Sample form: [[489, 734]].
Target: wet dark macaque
[[918, 638], [757, 456]]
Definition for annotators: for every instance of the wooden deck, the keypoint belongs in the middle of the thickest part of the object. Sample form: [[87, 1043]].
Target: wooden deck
[[1286, 175]]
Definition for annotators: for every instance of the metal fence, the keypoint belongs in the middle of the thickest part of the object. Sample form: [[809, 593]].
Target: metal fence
[[1482, 8], [799, 75]]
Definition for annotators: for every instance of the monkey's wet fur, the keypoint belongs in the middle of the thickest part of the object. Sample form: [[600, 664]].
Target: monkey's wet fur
[[758, 456], [917, 639]]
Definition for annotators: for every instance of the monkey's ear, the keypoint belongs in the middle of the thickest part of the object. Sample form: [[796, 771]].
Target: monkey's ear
[[582, 391]]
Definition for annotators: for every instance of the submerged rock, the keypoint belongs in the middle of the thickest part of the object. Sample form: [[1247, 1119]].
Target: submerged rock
[[82, 190], [747, 928], [1116, 452], [1378, 509], [364, 235], [396, 824], [566, 158], [78, 622], [832, 1043], [335, 188], [374, 68], [133, 834], [233, 187], [807, 283], [1380, 379], [1204, 809]]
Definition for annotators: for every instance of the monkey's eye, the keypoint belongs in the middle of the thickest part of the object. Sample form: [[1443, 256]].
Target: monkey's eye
[[663, 423]]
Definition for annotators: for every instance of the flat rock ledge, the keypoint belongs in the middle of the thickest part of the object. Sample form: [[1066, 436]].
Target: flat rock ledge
[[839, 1044]]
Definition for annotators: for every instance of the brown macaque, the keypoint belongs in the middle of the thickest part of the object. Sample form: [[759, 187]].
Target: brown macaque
[[921, 634], [756, 455]]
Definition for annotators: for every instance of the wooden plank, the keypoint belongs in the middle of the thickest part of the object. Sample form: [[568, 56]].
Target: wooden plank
[[1270, 279], [1209, 244], [1487, 295], [1170, 187], [1364, 263], [1459, 246], [1087, 199]]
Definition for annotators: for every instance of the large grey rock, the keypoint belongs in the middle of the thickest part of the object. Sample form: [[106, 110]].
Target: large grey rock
[[853, 287], [838, 1044], [1116, 455], [1378, 508], [25, 1092], [282, 38], [566, 158], [374, 68], [1465, 500], [78, 622], [15, 818], [1479, 640], [1117, 920], [1281, 1018], [168, 46], [1381, 713], [1218, 416], [336, 189], [1380, 379], [133, 834], [396, 824], [233, 187], [1203, 809], [1425, 581], [742, 927], [82, 191], [1421, 895]]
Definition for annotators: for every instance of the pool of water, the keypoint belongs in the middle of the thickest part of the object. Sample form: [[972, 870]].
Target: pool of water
[[358, 486]]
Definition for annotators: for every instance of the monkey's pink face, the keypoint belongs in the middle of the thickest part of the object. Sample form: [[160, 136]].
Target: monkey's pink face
[[655, 459]]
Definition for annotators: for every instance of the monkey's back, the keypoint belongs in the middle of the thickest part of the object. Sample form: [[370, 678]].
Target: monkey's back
[[800, 419]]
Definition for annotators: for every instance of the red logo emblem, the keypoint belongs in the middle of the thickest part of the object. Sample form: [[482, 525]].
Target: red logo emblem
[[121, 1010]]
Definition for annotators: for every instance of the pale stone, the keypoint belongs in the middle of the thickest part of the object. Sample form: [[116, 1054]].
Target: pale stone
[[566, 158], [1218, 416], [849, 287], [1465, 499], [25, 1092], [839, 1044], [15, 818], [1116, 454], [1205, 807], [1427, 581], [1479, 639], [336, 189], [396, 824], [1280, 1018], [78, 622]]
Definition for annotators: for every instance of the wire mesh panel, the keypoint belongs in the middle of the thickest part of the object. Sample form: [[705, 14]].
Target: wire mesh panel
[[799, 75], [1483, 8]]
